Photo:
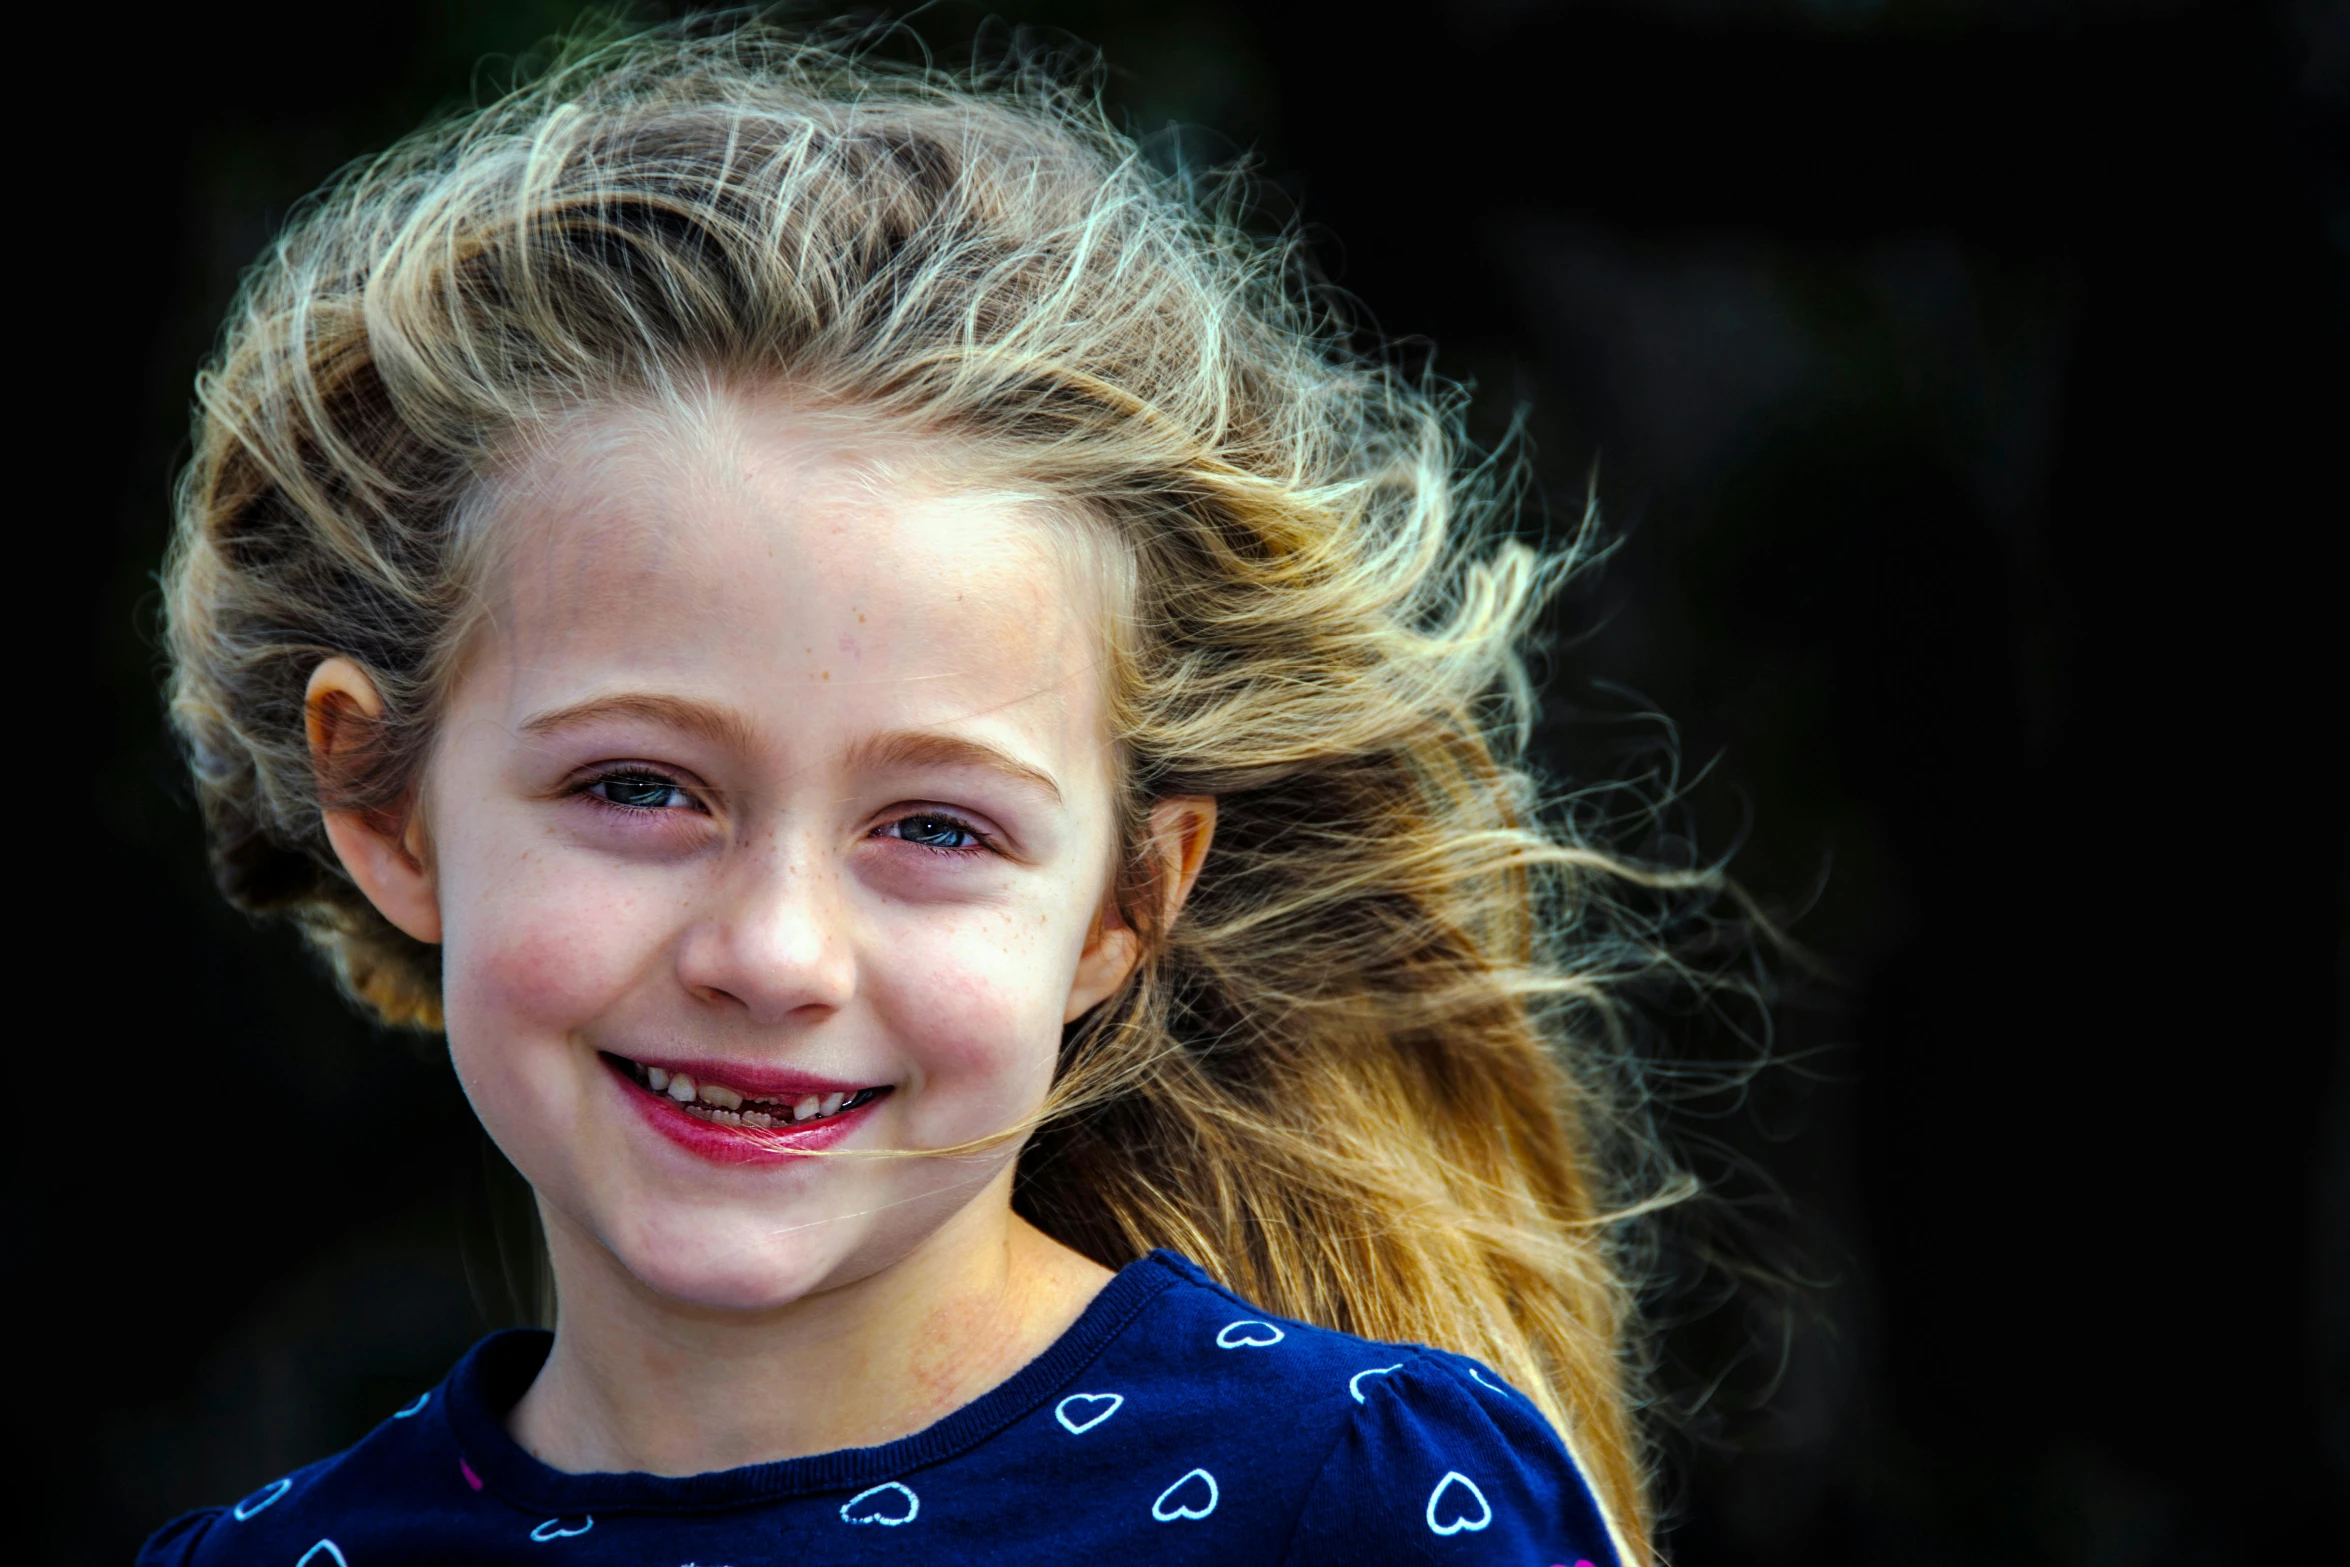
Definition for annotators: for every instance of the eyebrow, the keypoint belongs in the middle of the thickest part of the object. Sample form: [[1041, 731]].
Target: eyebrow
[[930, 748], [726, 727], [720, 725]]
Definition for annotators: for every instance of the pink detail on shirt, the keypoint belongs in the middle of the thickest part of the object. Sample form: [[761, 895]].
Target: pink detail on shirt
[[474, 1480]]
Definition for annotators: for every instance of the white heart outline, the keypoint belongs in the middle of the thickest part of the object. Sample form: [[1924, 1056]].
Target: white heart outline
[[1458, 1524], [1354, 1384], [1079, 1428], [551, 1531], [1225, 1340], [1158, 1508], [327, 1546], [248, 1507], [422, 1399], [913, 1505]]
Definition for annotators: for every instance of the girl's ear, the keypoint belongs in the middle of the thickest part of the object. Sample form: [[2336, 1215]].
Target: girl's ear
[[1180, 831], [383, 851]]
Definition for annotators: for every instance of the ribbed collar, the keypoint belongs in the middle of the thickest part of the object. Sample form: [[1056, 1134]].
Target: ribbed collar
[[497, 1371]]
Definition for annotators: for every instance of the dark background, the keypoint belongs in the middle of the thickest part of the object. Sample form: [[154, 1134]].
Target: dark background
[[1964, 377]]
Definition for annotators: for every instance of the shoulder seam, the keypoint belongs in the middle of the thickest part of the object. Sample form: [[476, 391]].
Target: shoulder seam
[[1414, 1353], [185, 1548], [1462, 1368]]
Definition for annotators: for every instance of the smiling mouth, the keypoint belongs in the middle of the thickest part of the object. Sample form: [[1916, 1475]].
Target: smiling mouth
[[720, 1105]]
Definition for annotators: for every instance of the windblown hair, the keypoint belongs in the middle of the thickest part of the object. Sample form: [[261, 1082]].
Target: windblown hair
[[1369, 1078]]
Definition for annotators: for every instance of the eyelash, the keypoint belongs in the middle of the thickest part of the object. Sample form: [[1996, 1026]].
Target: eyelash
[[980, 842], [644, 776]]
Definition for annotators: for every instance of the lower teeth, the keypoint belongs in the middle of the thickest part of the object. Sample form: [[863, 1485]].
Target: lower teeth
[[752, 1118]]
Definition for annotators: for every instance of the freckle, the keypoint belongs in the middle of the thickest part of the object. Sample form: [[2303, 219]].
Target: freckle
[[827, 675]]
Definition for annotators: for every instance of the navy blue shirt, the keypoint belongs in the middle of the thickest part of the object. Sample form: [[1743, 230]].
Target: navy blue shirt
[[1173, 1422]]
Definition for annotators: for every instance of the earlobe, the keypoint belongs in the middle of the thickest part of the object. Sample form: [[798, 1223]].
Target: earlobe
[[1180, 831], [382, 855]]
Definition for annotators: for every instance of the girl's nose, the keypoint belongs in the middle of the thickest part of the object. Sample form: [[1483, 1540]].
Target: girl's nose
[[772, 942]]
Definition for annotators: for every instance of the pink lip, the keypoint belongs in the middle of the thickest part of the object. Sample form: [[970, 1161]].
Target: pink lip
[[743, 1144], [754, 1082]]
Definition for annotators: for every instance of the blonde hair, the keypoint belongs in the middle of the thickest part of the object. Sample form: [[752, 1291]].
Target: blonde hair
[[1370, 1078]]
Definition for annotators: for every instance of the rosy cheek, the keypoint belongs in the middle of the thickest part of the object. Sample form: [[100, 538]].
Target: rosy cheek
[[969, 1024], [541, 962], [537, 976], [980, 1031]]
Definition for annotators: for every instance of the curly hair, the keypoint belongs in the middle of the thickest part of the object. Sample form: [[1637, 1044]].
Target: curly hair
[[1369, 1077]]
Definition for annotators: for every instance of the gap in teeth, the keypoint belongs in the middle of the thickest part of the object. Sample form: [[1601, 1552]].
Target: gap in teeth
[[716, 1102]]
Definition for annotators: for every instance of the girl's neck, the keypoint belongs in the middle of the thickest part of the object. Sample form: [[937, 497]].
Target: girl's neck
[[637, 1383]]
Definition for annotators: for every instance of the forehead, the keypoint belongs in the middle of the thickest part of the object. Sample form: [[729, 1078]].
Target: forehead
[[789, 561]]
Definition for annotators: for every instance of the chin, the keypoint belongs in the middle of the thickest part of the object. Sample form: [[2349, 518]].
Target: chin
[[732, 1268]]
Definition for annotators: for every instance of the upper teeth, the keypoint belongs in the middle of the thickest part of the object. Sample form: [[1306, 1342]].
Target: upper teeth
[[725, 1103]]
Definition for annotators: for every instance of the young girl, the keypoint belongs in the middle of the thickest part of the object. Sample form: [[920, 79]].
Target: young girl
[[940, 752]]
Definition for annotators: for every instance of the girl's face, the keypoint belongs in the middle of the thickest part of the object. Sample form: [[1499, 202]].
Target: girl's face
[[773, 811]]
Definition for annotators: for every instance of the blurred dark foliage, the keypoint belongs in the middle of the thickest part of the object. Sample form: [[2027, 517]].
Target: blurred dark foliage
[[1965, 380]]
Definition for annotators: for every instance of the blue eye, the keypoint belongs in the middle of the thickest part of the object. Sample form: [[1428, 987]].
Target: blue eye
[[640, 792], [933, 831]]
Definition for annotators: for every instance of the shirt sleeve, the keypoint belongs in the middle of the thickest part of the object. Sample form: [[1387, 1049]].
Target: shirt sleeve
[[1445, 1462]]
